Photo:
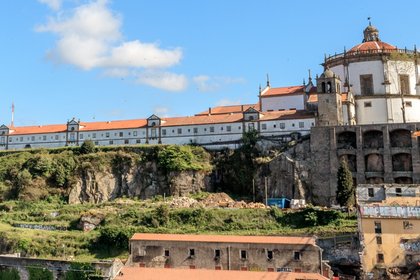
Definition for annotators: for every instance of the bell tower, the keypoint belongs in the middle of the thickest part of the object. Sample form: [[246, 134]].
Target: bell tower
[[330, 106]]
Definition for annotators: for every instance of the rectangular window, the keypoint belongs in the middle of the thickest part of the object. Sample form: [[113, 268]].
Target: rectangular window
[[398, 192], [121, 134], [296, 256], [269, 255], [251, 126], [166, 253], [380, 258], [111, 142], [407, 225], [72, 136], [191, 253], [217, 254], [138, 141], [379, 240], [107, 135], [263, 126], [378, 227], [301, 124], [81, 136], [163, 131], [134, 133], [243, 254], [44, 138], [93, 135], [404, 84], [153, 132], [408, 104], [32, 138], [126, 141], [195, 130], [211, 128], [21, 138], [282, 125], [96, 143], [217, 267], [228, 128], [366, 84], [179, 130], [370, 192], [368, 104]]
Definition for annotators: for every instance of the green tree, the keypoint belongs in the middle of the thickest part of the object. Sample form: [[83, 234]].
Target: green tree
[[87, 147], [345, 188]]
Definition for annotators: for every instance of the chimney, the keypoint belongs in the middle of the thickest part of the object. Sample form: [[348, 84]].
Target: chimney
[[209, 111]]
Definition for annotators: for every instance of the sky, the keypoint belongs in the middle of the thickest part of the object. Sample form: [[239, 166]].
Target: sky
[[102, 60]]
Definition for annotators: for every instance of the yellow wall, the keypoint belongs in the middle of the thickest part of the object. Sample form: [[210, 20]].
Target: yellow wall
[[392, 233]]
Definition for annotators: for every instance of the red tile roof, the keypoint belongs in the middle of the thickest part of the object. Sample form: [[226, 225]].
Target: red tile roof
[[292, 90], [175, 121], [135, 273], [228, 109], [313, 98], [372, 46], [224, 238]]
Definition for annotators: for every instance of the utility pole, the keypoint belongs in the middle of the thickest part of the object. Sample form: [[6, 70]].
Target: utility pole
[[265, 188]]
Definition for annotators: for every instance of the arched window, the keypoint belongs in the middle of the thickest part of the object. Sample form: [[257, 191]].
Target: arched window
[[323, 87], [329, 89]]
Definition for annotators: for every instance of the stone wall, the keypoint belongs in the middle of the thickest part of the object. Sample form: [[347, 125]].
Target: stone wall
[[382, 153]]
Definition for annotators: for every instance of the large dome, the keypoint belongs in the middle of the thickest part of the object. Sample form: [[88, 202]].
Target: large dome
[[373, 46]]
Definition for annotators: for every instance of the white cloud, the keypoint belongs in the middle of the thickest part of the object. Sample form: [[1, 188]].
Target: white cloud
[[163, 80], [52, 4], [90, 37], [161, 111], [206, 83], [228, 102]]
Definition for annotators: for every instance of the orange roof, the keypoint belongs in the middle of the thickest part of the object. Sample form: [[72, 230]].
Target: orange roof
[[372, 46], [313, 98], [292, 90], [134, 273], [416, 133], [175, 121], [224, 238], [84, 126], [124, 124], [228, 109]]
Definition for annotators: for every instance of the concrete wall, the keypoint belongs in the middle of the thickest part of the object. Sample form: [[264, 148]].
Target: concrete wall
[[152, 254]]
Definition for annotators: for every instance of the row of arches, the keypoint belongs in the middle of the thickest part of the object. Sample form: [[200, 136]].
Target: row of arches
[[375, 163], [373, 139]]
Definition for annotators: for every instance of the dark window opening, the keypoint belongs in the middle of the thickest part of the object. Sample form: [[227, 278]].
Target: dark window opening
[[269, 254], [217, 254], [243, 254], [296, 256], [380, 258], [370, 192], [366, 84], [378, 227], [398, 192], [166, 253], [192, 253]]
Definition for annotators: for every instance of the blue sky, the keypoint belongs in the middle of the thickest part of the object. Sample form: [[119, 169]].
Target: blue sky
[[125, 59]]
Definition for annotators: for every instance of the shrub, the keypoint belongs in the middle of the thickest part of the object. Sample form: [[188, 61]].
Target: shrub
[[9, 274], [39, 273], [116, 236], [87, 147]]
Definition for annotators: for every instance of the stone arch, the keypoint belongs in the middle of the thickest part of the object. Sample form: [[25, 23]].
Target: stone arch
[[346, 140], [28, 146], [403, 180], [374, 180], [402, 162], [374, 163], [351, 161], [373, 139], [400, 138]]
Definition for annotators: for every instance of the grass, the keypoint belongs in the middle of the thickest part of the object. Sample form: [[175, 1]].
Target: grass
[[122, 217]]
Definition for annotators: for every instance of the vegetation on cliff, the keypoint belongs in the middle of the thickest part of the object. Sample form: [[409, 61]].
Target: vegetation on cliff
[[38, 174]]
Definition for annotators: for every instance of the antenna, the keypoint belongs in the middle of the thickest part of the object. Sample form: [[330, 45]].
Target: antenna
[[369, 18], [12, 123]]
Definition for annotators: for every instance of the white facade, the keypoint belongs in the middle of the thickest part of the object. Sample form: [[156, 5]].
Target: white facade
[[287, 102], [385, 80]]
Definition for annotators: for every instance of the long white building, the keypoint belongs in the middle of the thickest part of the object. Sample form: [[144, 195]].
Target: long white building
[[372, 83]]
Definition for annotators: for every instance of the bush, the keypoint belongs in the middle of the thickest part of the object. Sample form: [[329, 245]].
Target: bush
[[39, 273], [87, 147], [116, 236], [9, 274], [82, 271]]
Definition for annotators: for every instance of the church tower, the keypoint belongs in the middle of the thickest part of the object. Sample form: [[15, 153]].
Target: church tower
[[330, 107]]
